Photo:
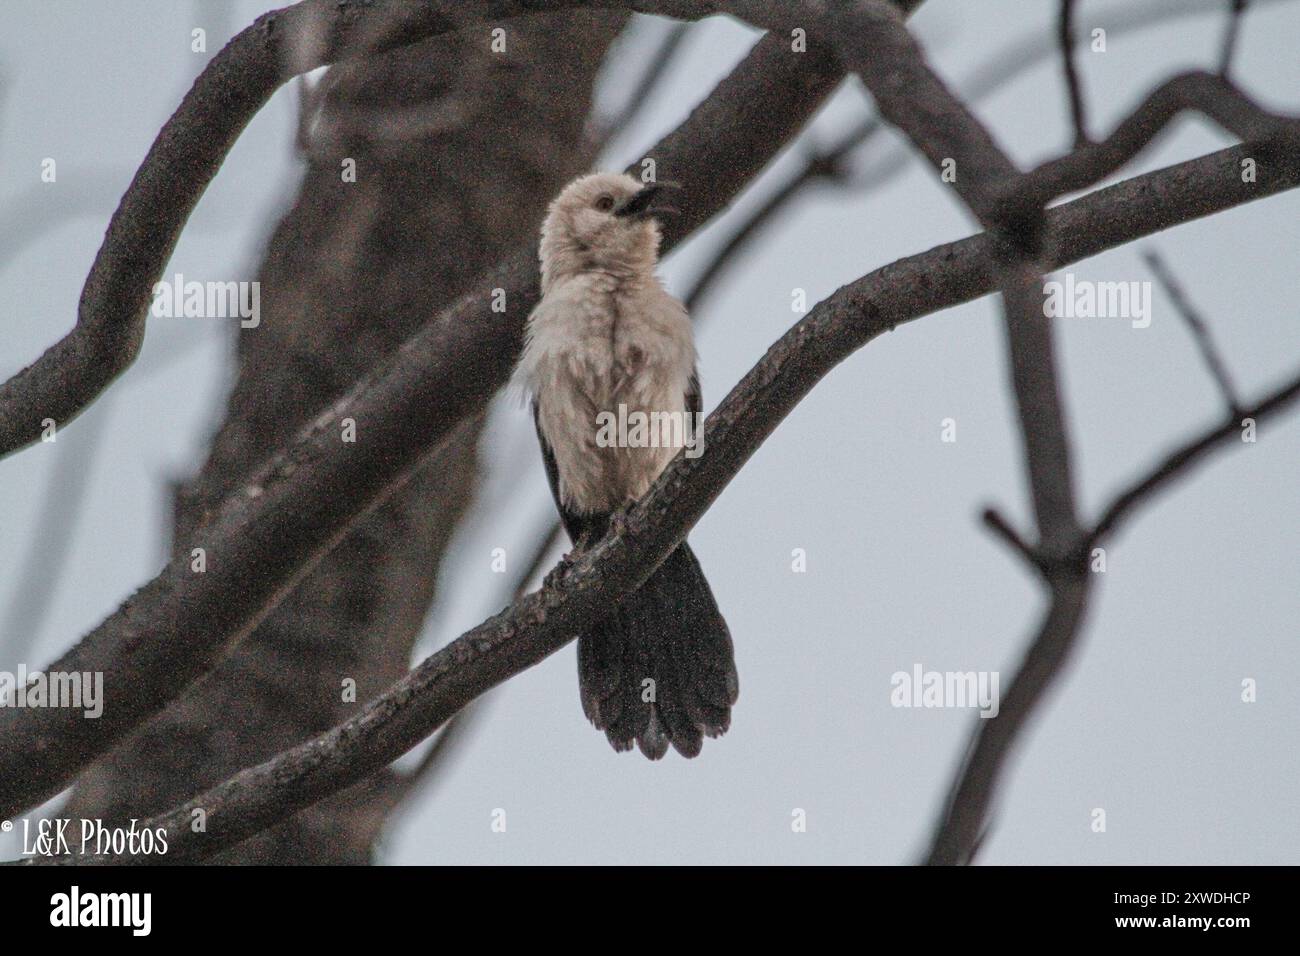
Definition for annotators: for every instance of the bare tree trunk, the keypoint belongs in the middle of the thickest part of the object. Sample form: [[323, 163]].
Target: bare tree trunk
[[456, 150]]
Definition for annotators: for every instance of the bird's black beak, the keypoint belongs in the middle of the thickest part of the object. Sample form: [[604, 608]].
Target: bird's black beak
[[649, 202]]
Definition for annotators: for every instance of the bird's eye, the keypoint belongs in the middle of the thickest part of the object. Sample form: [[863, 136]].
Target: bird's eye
[[605, 203]]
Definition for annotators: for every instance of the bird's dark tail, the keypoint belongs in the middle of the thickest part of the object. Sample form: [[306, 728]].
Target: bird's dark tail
[[660, 669]]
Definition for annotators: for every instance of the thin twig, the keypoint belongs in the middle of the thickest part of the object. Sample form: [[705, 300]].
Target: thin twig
[[821, 165], [545, 545], [404, 787], [1004, 529], [1199, 328], [1065, 38], [1236, 11], [1205, 93], [1178, 461], [309, 100]]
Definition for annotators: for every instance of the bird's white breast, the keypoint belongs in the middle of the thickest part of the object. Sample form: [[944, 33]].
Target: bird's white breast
[[596, 342]]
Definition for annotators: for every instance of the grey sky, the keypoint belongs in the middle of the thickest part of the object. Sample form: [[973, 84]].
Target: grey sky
[[1200, 591]]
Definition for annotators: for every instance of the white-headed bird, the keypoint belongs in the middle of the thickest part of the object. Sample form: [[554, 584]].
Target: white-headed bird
[[608, 344]]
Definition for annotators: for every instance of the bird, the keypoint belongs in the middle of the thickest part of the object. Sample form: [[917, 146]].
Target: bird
[[607, 341]]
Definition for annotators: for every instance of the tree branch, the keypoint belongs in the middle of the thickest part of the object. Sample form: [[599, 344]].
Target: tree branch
[[1198, 326], [36, 579], [1180, 460], [1065, 39], [1204, 93], [963, 822], [1003, 528], [1236, 12]]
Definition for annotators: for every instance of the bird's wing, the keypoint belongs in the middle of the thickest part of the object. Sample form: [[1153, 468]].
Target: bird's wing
[[577, 526], [694, 400]]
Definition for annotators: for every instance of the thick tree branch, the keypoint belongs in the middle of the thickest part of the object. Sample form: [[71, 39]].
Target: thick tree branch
[[546, 620], [878, 47]]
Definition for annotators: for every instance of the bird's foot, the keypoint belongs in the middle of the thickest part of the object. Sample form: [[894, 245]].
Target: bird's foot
[[618, 520], [566, 562]]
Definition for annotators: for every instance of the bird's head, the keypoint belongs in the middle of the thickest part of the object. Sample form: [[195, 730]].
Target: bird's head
[[604, 222]]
